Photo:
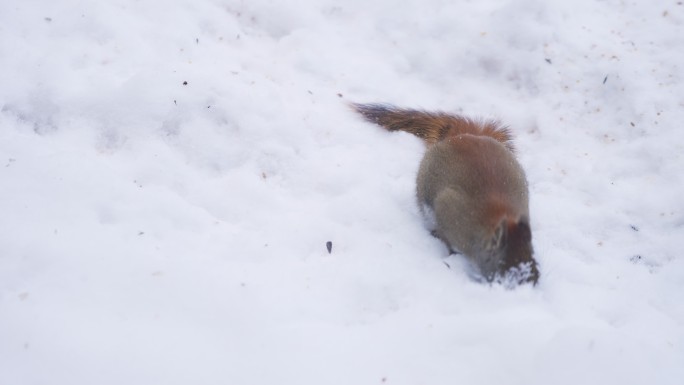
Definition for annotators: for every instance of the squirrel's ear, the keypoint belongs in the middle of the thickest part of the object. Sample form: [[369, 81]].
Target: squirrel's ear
[[498, 240]]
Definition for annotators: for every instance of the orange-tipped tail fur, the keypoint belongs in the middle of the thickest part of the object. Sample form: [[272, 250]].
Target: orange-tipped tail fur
[[432, 127]]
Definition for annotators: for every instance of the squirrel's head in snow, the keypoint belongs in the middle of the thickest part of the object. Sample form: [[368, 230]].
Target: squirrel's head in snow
[[508, 254]]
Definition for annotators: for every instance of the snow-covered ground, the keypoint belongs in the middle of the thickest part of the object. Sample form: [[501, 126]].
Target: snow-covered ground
[[170, 173]]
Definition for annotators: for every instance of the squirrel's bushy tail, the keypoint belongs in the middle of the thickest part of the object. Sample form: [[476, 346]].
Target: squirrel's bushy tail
[[432, 127]]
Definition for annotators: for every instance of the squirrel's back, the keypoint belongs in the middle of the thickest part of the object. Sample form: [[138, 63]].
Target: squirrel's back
[[471, 185]]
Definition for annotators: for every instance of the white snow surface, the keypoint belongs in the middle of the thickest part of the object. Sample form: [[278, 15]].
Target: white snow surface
[[154, 231]]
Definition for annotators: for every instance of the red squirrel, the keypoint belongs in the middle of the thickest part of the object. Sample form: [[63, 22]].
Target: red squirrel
[[471, 188]]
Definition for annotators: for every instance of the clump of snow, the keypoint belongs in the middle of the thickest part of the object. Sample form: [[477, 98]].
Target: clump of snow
[[515, 276], [171, 173]]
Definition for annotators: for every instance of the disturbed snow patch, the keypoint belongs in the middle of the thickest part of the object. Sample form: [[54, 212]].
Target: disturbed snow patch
[[515, 276]]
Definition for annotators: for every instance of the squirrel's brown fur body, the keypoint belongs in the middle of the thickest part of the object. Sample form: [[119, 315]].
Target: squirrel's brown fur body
[[471, 186]]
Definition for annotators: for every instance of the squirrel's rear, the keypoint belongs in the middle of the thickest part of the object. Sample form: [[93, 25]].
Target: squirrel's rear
[[471, 186]]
